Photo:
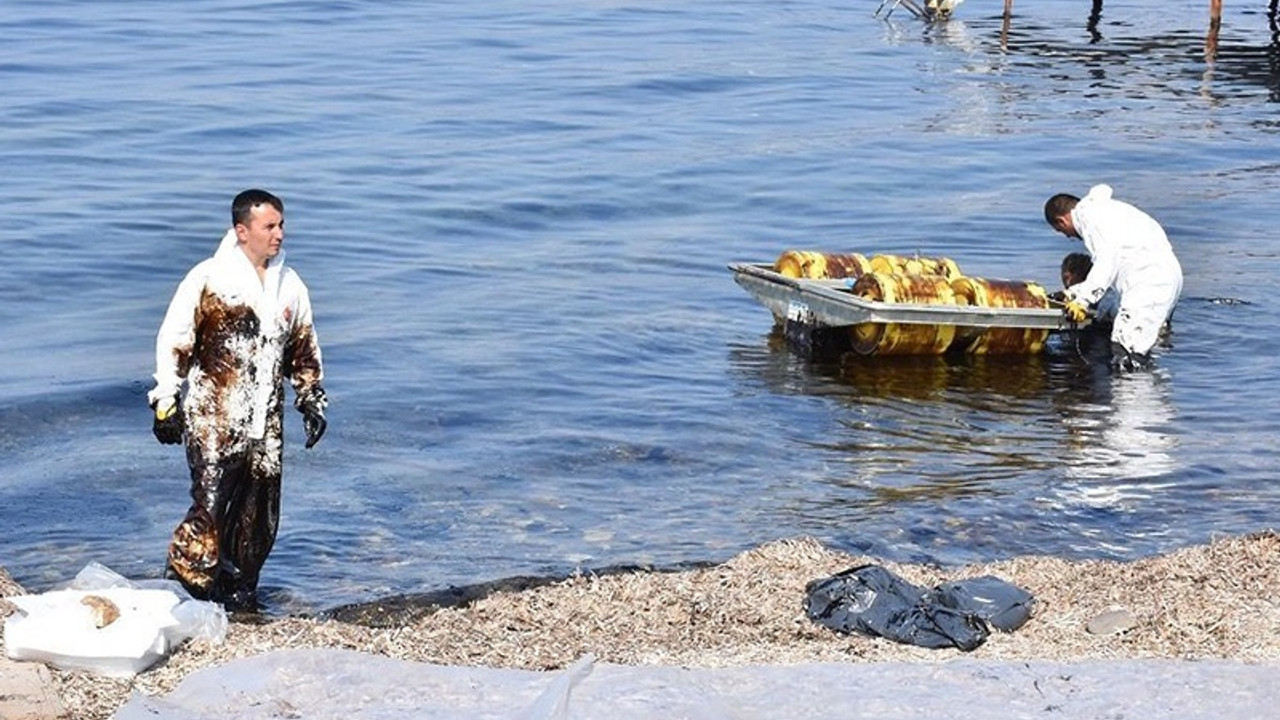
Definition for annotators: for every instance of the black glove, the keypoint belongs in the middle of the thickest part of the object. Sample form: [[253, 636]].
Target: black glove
[[167, 422], [312, 404]]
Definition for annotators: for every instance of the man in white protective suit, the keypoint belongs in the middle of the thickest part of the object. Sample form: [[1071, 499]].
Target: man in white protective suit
[[1130, 253], [238, 326]]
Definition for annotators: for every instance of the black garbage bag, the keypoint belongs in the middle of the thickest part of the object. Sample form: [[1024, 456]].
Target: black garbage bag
[[873, 601], [998, 603]]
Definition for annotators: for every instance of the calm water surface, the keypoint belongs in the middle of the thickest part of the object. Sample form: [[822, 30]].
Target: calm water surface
[[515, 220]]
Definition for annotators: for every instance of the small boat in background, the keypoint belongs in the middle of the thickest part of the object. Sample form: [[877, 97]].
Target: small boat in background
[[899, 305]]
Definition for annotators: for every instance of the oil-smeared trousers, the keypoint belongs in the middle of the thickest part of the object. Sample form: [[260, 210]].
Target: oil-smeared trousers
[[234, 339]]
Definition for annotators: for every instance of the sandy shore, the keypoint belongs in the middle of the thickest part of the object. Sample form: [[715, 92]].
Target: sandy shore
[[1220, 600]]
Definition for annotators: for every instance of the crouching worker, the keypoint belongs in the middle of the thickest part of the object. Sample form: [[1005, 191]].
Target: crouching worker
[[1130, 253], [239, 325], [1075, 268], [1091, 341]]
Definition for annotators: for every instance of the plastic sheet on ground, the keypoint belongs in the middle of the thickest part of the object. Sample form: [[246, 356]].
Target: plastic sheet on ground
[[324, 684], [147, 620]]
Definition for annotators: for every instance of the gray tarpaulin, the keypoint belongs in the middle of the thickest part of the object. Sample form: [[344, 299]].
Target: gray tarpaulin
[[343, 684]]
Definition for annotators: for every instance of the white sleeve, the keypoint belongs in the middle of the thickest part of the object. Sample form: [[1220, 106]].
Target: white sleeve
[[1101, 228], [1100, 278], [176, 338]]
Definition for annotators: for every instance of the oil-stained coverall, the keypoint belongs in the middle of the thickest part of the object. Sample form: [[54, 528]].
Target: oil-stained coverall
[[234, 339], [1131, 253]]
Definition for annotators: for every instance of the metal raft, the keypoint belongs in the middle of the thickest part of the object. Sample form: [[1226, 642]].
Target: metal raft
[[830, 304]]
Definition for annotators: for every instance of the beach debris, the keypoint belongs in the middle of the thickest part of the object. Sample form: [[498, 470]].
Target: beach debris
[[871, 600], [102, 610]]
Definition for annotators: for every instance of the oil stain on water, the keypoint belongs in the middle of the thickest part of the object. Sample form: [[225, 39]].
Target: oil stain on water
[[516, 221]]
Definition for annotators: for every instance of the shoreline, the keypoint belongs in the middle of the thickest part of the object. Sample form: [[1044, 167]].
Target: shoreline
[[1213, 601]]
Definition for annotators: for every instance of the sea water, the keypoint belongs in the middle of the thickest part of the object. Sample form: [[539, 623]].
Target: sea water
[[515, 220]]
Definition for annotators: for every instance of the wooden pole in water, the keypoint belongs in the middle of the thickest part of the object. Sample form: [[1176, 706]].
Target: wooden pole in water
[[1215, 22], [1210, 41], [1004, 27]]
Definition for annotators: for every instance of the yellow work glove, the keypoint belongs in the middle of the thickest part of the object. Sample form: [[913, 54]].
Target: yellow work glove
[[1075, 311], [168, 424]]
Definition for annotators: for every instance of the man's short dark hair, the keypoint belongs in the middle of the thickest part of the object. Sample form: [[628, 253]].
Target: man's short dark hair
[[244, 203], [1078, 264], [1059, 205]]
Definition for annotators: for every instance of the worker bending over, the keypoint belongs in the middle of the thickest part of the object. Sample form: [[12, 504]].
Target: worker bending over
[[1130, 253]]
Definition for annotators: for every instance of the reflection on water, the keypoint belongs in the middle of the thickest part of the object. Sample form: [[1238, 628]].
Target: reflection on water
[[1123, 442], [1114, 63], [933, 427], [926, 453], [1130, 439], [917, 427], [1125, 51]]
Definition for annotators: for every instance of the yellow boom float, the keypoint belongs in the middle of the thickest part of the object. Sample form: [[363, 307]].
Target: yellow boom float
[[903, 304]]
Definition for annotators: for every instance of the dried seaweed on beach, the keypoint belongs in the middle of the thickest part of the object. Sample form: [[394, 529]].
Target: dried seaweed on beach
[[1212, 601]]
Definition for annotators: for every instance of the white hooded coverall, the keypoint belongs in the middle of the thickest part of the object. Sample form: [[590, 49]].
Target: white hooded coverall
[[234, 339], [1131, 253]]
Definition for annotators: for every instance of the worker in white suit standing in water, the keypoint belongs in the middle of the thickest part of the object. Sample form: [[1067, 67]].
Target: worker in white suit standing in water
[[238, 327], [1130, 253]]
